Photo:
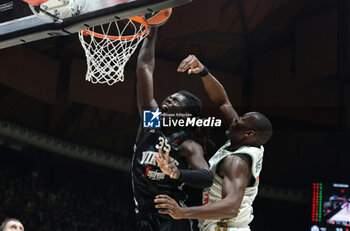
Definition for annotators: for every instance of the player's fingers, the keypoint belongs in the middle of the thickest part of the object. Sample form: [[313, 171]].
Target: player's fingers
[[165, 201], [167, 158], [195, 70], [192, 63], [162, 196], [160, 154], [184, 62], [165, 211], [173, 172], [162, 206], [184, 65], [181, 67], [194, 66], [159, 162], [162, 201]]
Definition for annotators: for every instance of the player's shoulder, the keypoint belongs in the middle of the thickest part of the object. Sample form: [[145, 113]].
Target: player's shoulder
[[234, 165], [236, 161], [238, 158]]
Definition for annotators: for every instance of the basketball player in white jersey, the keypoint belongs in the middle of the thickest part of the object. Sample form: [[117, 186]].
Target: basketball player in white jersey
[[227, 204]]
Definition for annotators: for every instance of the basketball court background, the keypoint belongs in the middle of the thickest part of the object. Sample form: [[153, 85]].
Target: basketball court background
[[288, 59]]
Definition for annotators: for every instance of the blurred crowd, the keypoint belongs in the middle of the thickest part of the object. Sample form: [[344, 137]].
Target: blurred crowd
[[55, 202]]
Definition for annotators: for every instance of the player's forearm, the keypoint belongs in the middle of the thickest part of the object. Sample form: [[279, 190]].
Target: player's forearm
[[144, 71], [200, 178], [218, 95], [215, 90], [217, 210], [146, 59]]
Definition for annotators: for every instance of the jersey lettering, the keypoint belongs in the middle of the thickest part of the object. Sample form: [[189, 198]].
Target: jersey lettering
[[147, 170], [148, 179], [148, 157], [258, 166], [155, 175]]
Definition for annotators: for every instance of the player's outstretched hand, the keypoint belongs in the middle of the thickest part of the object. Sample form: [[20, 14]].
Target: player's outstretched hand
[[168, 205], [191, 64], [167, 166]]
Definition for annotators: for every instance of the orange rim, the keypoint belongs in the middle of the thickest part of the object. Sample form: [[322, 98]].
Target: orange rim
[[101, 36]]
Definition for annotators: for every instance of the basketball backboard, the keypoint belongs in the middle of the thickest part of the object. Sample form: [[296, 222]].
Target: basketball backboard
[[19, 25]]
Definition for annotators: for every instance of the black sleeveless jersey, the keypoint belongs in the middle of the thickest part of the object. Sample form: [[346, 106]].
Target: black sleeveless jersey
[[147, 178]]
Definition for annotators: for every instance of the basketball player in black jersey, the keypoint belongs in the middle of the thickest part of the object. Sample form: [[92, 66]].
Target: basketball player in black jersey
[[147, 178]]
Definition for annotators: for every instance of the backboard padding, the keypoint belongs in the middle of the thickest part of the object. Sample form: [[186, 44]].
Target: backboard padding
[[19, 26]]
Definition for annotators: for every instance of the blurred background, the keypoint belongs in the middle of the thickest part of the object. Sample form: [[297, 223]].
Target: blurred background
[[66, 144]]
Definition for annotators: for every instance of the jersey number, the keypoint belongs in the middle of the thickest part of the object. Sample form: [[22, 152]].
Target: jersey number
[[163, 144], [206, 199]]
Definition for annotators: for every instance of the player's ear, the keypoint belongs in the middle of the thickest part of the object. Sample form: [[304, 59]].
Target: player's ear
[[250, 133]]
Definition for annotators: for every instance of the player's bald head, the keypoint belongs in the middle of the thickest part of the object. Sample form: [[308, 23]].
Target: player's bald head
[[261, 126], [11, 224]]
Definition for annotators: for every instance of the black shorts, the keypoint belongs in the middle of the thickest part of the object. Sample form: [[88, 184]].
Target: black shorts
[[161, 222]]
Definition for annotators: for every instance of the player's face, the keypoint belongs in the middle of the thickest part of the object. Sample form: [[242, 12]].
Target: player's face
[[239, 127], [14, 226], [174, 103]]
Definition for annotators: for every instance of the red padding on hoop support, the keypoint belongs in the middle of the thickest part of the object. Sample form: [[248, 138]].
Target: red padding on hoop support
[[35, 2]]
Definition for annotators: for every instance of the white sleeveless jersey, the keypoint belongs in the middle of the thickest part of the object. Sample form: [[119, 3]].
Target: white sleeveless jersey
[[213, 193]]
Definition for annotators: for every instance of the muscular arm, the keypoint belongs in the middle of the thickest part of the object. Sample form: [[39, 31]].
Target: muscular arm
[[193, 152], [237, 174], [218, 95], [144, 72], [199, 176], [212, 86]]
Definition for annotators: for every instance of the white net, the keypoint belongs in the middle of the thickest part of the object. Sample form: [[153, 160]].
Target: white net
[[107, 55]]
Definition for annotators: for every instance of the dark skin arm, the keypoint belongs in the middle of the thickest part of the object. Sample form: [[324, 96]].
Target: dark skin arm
[[212, 86], [236, 177], [191, 150], [144, 73], [194, 155]]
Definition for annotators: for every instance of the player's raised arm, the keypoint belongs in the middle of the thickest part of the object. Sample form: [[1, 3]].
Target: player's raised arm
[[144, 72], [213, 87]]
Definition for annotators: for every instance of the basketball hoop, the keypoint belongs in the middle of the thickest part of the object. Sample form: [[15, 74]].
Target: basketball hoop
[[107, 54]]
